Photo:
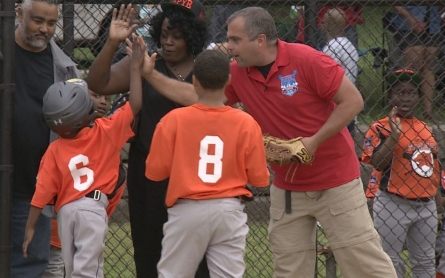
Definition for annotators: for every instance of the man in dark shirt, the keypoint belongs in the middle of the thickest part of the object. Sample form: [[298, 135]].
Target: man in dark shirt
[[38, 63]]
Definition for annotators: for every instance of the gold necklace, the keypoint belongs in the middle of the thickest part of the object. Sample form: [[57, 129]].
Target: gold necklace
[[177, 72]]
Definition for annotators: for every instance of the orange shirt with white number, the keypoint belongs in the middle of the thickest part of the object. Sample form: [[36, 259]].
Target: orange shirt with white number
[[208, 152], [414, 169], [72, 168]]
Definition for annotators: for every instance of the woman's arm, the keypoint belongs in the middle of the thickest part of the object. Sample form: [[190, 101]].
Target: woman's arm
[[102, 77]]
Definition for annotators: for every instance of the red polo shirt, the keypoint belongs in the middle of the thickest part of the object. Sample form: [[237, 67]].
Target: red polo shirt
[[296, 100]]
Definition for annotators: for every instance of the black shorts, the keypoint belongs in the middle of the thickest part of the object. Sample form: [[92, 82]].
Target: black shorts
[[409, 38]]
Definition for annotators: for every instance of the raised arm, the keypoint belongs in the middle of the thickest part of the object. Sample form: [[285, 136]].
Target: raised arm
[[139, 49], [103, 78]]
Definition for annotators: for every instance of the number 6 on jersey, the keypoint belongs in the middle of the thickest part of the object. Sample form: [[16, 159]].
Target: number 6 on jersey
[[77, 173]]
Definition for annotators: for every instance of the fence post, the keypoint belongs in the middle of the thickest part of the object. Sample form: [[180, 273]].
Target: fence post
[[7, 17], [68, 28], [310, 25]]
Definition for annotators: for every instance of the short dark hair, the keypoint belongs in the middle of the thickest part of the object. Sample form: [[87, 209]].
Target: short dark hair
[[194, 29], [257, 21], [212, 69]]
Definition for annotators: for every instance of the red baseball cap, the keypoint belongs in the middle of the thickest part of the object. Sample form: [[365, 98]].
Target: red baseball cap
[[192, 7]]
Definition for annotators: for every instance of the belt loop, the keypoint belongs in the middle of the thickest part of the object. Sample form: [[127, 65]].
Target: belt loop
[[97, 194], [288, 202]]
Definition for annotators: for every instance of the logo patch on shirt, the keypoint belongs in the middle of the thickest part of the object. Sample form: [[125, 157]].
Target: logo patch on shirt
[[422, 162], [289, 85], [373, 180], [367, 143]]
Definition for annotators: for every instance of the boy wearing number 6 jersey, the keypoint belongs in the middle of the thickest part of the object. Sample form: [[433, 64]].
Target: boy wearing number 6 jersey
[[210, 152], [80, 168]]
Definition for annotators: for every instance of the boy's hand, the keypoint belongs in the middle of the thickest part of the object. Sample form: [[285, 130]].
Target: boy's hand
[[120, 27], [29, 234], [394, 122], [148, 61], [137, 53]]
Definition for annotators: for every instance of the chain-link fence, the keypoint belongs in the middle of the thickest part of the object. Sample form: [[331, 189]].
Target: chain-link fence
[[370, 40]]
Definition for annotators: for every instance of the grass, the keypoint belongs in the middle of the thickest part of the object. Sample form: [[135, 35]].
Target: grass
[[119, 252]]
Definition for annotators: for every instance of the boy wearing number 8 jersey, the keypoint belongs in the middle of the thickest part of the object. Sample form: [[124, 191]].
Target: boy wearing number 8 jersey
[[210, 152], [81, 168]]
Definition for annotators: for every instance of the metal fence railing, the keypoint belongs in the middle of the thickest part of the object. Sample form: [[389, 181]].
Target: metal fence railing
[[373, 29]]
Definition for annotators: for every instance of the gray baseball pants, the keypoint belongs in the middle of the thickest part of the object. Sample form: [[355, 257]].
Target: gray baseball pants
[[399, 220], [215, 228], [83, 227]]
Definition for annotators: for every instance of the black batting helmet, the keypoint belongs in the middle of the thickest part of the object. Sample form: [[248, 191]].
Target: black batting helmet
[[67, 107]]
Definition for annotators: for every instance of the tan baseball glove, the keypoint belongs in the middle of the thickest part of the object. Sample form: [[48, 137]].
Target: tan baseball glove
[[282, 152]]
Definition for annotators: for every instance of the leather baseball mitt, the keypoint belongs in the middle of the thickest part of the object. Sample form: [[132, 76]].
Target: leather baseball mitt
[[282, 152]]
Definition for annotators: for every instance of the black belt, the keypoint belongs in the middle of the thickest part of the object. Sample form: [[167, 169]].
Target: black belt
[[287, 202], [94, 195], [423, 200]]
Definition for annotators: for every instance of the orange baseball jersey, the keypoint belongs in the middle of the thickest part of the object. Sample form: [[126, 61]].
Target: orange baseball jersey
[[72, 168], [414, 169], [208, 152]]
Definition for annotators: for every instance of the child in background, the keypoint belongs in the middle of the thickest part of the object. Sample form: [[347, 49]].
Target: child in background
[[81, 168], [210, 151], [403, 148]]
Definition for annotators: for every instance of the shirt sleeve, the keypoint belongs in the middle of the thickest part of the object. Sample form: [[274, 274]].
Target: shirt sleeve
[[325, 75], [257, 171], [46, 187], [118, 125], [372, 141], [160, 158]]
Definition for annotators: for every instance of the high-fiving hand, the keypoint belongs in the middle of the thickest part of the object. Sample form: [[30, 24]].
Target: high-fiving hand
[[138, 52], [120, 27], [149, 61]]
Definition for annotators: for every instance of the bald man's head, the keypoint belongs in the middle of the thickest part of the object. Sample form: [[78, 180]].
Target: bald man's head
[[334, 22]]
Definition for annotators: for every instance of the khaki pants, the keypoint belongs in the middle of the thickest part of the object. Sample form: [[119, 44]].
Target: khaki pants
[[343, 213]]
